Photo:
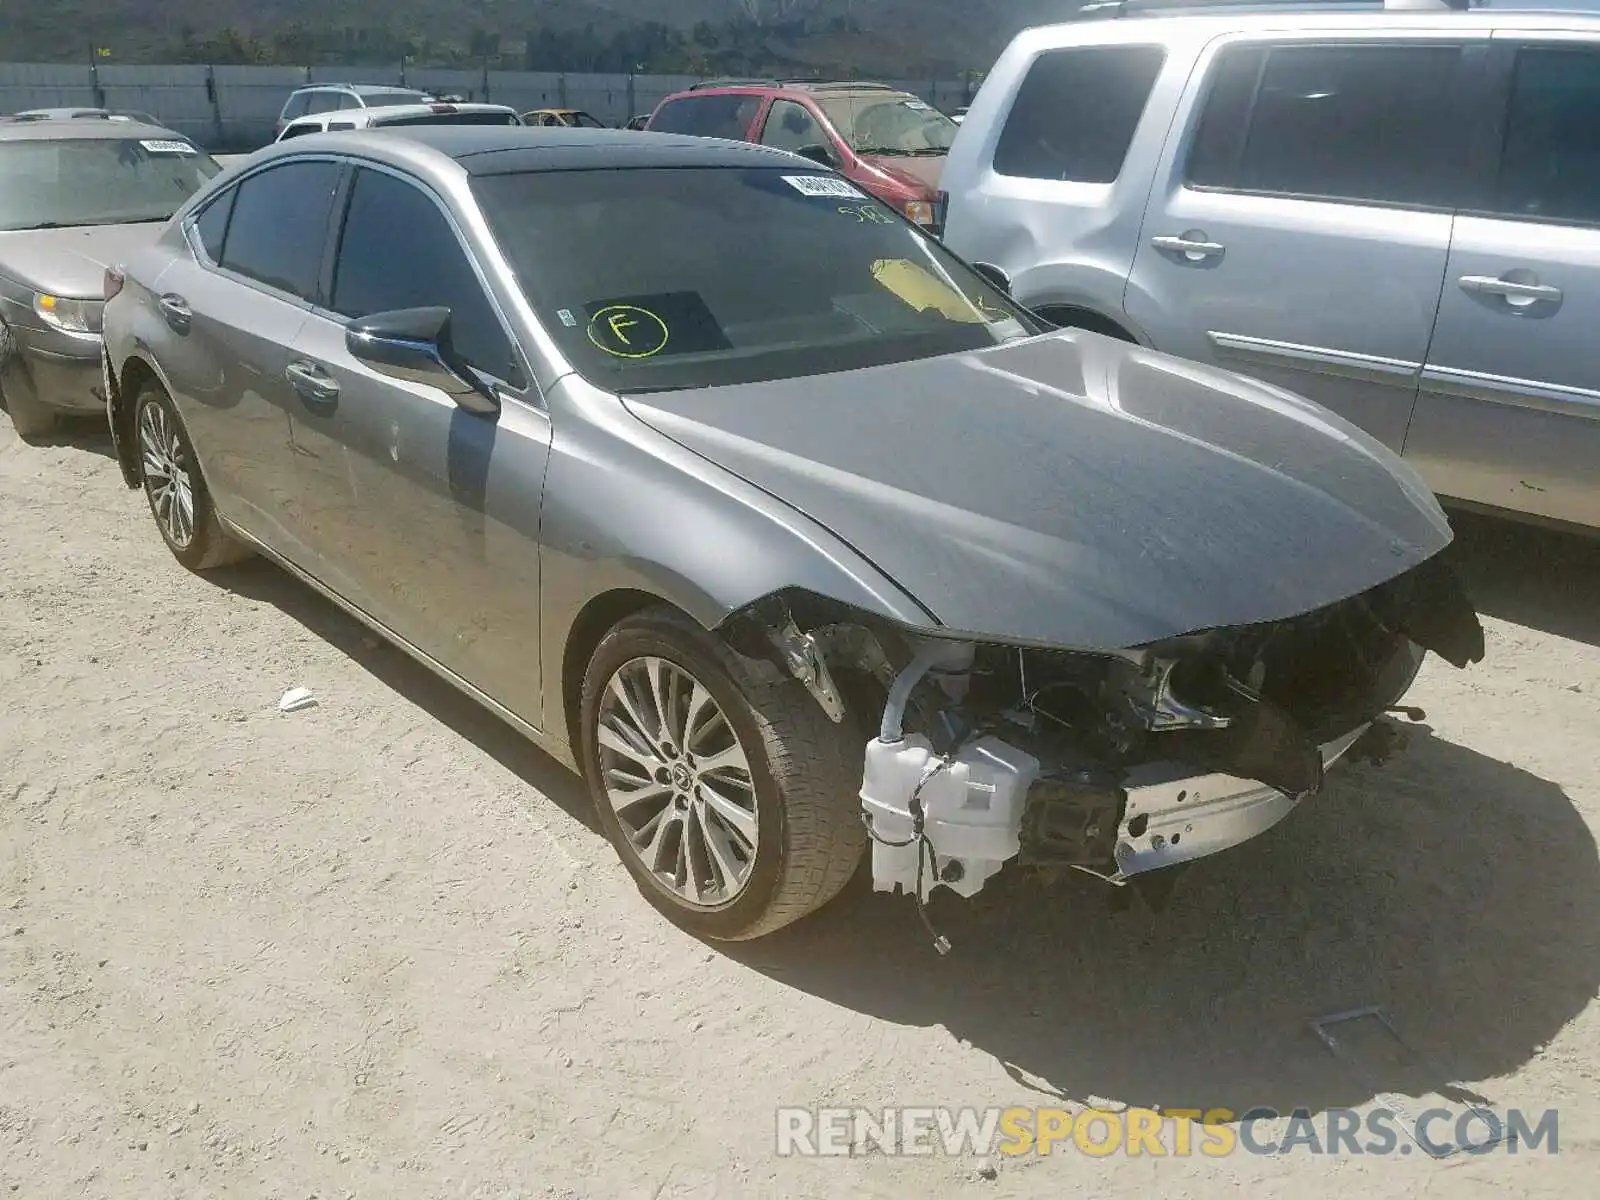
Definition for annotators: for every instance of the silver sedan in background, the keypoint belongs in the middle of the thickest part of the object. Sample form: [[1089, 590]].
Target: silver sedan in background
[[730, 487]]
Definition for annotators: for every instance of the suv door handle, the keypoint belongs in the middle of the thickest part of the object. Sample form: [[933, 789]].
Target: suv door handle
[[1510, 289], [176, 312], [312, 384], [1194, 246]]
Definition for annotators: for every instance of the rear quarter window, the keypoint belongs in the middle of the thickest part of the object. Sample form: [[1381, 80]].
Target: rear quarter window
[[1075, 114], [708, 116]]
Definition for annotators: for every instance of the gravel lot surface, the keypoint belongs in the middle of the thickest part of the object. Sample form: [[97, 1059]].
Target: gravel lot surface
[[376, 948]]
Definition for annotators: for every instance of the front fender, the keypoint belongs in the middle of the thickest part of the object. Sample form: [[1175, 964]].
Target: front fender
[[627, 509]]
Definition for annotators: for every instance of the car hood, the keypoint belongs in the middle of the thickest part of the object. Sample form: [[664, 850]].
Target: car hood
[[922, 173], [72, 262], [1074, 491]]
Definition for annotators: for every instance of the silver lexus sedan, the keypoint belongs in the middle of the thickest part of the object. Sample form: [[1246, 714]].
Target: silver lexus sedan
[[735, 491]]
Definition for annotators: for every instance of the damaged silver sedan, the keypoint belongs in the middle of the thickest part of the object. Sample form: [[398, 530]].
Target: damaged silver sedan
[[736, 492]]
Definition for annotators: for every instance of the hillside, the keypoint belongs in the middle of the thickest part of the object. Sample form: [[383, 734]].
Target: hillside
[[884, 36]]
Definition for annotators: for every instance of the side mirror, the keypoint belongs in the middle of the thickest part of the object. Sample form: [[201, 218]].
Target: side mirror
[[413, 344], [995, 277], [819, 153]]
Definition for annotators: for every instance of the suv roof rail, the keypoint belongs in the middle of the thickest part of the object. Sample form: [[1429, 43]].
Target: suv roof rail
[[1168, 8], [822, 85], [702, 84]]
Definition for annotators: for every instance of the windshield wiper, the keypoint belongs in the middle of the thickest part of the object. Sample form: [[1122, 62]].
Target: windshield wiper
[[885, 151]]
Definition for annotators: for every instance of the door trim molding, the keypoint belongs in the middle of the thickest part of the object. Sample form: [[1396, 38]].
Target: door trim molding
[[1345, 363], [1521, 393]]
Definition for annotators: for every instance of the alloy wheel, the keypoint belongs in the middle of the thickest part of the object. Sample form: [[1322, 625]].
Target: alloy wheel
[[166, 474], [679, 781]]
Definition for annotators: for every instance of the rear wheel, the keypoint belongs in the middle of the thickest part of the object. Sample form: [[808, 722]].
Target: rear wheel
[[174, 487], [726, 791]]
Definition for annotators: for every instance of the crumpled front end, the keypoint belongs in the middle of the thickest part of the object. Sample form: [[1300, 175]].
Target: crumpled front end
[[1114, 764]]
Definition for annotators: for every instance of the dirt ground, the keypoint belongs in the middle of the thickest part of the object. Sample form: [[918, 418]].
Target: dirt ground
[[376, 949]]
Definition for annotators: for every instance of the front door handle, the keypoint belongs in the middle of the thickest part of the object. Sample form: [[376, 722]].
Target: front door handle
[[312, 384], [1514, 291], [1193, 245], [176, 312]]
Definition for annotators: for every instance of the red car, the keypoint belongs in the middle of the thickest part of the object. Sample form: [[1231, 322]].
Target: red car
[[887, 142]]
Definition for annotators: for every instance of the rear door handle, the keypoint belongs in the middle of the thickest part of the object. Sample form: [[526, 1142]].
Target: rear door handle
[[1194, 246], [1510, 289], [176, 312], [312, 384]]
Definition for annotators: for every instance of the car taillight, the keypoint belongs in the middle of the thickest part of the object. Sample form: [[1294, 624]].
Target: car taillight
[[919, 212], [114, 280]]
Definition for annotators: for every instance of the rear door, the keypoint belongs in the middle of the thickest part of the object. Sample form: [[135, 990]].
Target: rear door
[[1509, 413], [1300, 220], [436, 533], [232, 313]]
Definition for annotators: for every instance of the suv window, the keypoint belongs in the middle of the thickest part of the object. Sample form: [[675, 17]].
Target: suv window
[[369, 277], [790, 126], [323, 102], [296, 106], [1367, 123], [1550, 168], [347, 101], [280, 225], [1075, 114], [725, 116]]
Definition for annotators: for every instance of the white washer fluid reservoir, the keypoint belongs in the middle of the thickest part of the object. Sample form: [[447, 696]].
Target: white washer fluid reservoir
[[972, 809]]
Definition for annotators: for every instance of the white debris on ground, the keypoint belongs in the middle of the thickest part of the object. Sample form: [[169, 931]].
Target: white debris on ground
[[382, 953]]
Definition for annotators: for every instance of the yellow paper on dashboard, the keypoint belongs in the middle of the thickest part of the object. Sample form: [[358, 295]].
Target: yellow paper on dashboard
[[922, 290]]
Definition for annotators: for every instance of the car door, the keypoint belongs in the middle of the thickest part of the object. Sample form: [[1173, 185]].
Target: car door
[[233, 312], [1301, 217], [439, 529], [1509, 413]]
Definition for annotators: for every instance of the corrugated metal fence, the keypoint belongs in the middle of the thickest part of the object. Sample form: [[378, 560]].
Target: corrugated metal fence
[[233, 108]]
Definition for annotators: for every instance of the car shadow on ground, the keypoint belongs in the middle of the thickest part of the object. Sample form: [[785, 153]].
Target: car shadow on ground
[[1460, 893], [258, 579], [85, 432], [1543, 578]]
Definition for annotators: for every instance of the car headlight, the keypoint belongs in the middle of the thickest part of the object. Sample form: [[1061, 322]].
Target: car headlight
[[919, 212], [71, 316]]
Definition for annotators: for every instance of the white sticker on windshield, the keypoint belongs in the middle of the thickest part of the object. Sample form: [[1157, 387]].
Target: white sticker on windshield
[[823, 185], [567, 319], [168, 147]]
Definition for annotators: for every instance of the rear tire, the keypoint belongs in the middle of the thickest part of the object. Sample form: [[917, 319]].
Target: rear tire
[[786, 820], [174, 487]]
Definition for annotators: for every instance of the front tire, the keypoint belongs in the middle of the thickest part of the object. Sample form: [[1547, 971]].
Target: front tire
[[174, 487], [724, 788]]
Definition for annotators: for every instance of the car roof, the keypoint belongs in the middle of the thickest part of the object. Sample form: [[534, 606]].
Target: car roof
[[513, 149], [361, 89], [792, 88], [82, 130], [1162, 27]]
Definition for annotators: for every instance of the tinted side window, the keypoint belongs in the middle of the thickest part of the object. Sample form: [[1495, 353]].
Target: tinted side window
[[708, 116], [212, 224], [1364, 123], [1550, 168], [296, 106], [321, 102], [370, 277], [279, 225], [1075, 114], [790, 126], [295, 131], [347, 101]]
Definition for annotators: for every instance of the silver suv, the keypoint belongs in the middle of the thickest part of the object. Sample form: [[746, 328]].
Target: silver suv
[[341, 97], [1396, 214]]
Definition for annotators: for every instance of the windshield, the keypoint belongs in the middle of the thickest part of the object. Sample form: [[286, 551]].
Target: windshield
[[97, 181], [451, 118], [584, 121], [889, 123], [669, 278]]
